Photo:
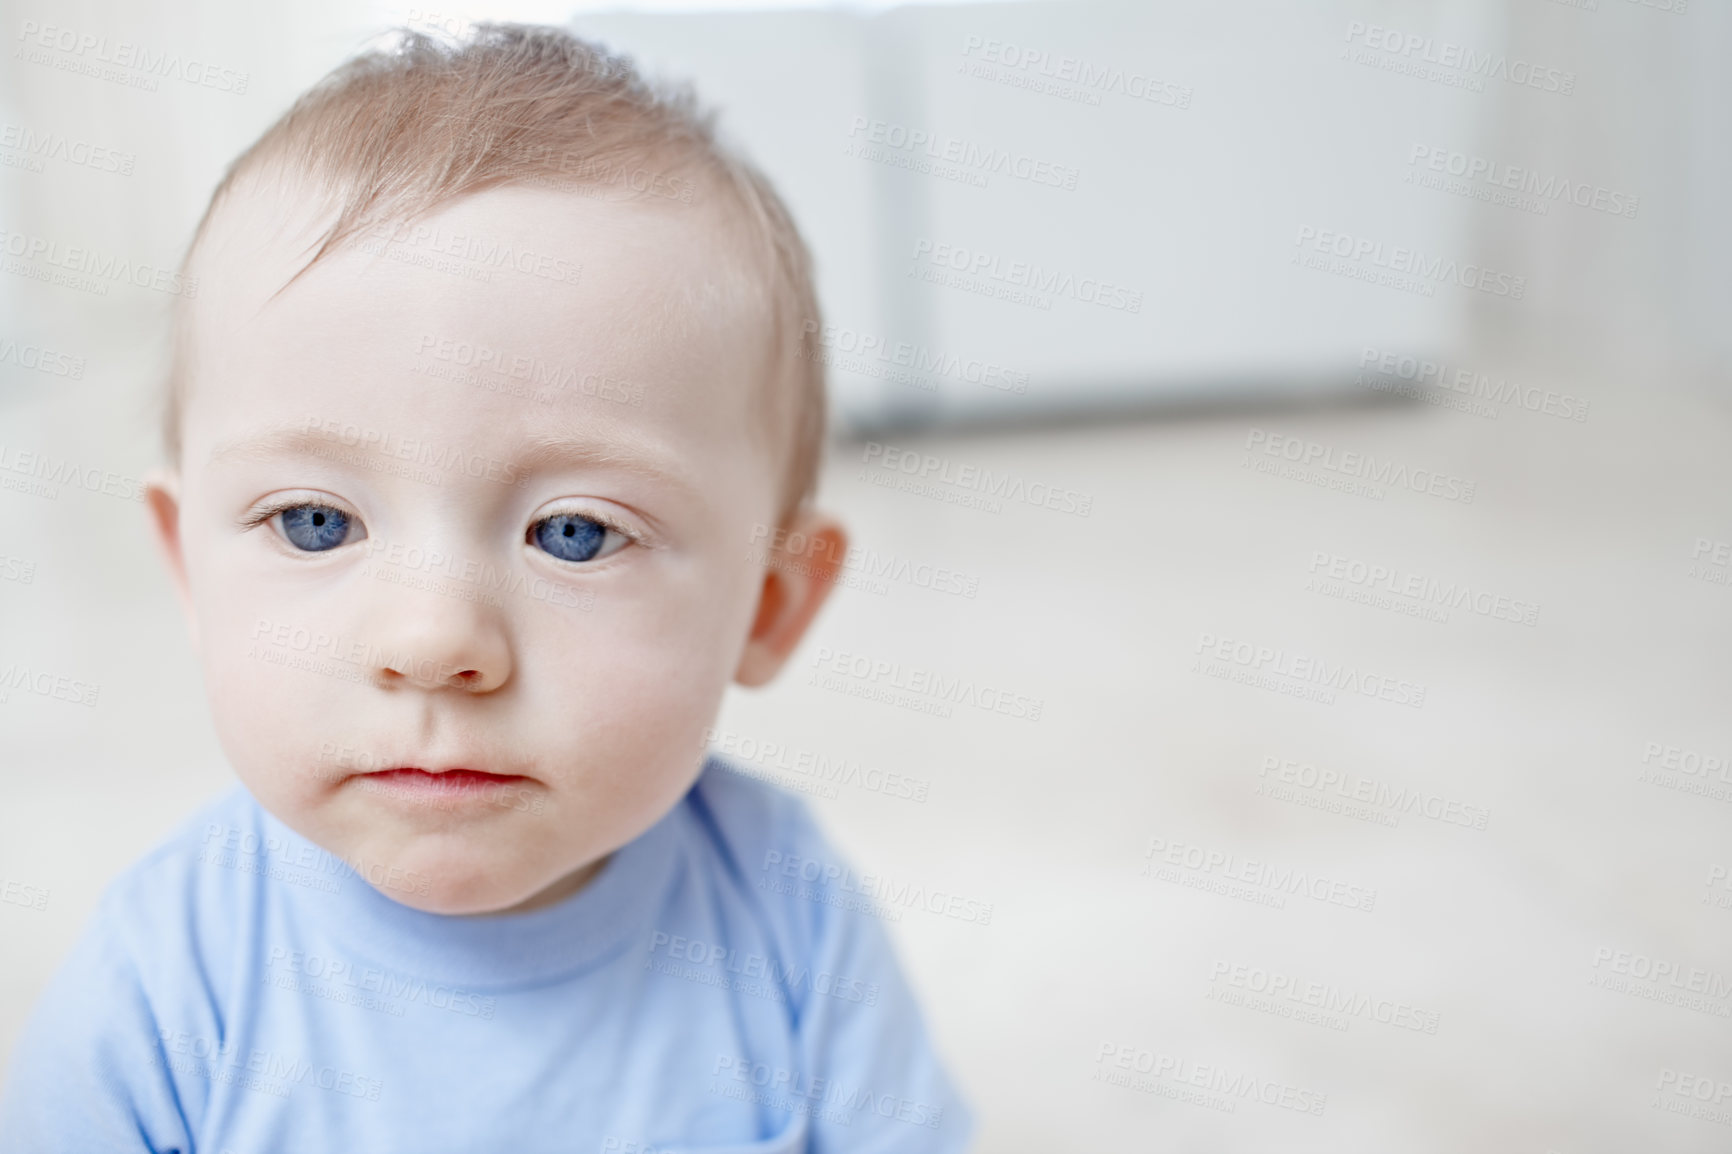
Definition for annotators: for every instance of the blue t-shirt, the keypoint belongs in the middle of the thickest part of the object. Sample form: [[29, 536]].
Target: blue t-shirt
[[718, 986]]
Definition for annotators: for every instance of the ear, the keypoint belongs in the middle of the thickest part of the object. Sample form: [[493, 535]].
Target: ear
[[162, 499], [804, 559]]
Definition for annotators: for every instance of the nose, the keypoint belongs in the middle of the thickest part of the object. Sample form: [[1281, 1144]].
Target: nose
[[426, 640]]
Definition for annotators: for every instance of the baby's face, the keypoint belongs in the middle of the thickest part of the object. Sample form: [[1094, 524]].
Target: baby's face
[[470, 640]]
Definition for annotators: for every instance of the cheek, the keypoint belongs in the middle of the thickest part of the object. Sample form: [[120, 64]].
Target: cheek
[[273, 714], [629, 674], [635, 681], [264, 721]]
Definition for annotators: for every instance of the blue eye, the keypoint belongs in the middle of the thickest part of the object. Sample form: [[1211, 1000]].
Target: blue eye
[[570, 537], [316, 528]]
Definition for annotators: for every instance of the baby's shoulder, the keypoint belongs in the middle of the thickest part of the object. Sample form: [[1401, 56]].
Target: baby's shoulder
[[747, 810], [771, 852], [750, 819], [167, 900]]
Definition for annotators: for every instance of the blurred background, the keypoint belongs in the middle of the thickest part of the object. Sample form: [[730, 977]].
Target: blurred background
[[1326, 408]]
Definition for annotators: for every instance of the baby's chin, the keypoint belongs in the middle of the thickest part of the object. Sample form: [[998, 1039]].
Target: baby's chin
[[461, 897], [465, 873]]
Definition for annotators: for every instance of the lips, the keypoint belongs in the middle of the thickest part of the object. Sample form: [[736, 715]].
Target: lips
[[456, 780]]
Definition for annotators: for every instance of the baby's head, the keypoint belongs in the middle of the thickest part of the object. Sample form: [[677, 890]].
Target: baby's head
[[495, 397]]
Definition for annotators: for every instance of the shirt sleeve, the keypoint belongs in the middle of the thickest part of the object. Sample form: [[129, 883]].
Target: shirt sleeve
[[892, 1091], [858, 1025], [89, 1072]]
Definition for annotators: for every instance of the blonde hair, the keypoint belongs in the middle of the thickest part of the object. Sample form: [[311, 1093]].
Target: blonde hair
[[419, 121]]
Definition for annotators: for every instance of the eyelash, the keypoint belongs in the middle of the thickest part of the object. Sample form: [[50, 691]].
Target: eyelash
[[610, 523], [261, 516]]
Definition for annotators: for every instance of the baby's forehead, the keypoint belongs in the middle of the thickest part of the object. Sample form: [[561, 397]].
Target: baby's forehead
[[514, 288], [513, 239]]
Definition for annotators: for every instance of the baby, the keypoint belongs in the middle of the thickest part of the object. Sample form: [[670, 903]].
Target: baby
[[493, 433]]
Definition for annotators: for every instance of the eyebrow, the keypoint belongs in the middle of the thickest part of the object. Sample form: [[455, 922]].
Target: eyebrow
[[542, 452], [636, 456]]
